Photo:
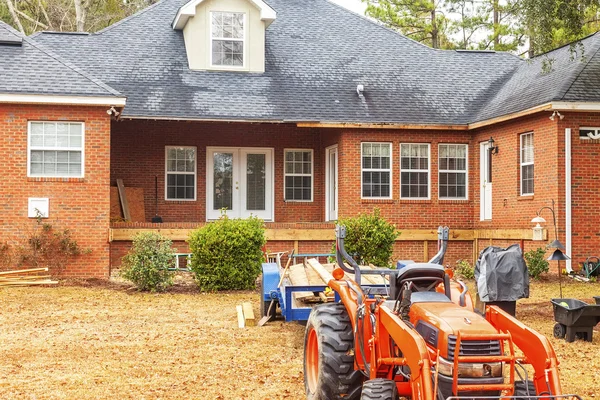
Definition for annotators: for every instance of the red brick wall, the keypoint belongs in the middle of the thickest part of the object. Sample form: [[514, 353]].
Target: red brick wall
[[138, 154], [406, 214], [509, 208], [81, 205]]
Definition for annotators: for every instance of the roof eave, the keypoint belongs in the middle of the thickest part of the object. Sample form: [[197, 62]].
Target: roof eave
[[188, 10], [25, 98]]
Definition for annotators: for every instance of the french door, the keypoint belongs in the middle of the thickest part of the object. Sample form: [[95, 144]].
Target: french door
[[331, 183], [239, 181], [485, 179]]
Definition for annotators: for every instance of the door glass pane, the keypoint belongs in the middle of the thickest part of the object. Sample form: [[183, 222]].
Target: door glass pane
[[332, 182], [223, 181], [256, 182]]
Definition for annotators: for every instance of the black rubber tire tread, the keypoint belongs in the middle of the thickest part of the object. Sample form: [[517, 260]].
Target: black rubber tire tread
[[264, 305], [379, 389], [337, 379], [559, 331], [521, 388]]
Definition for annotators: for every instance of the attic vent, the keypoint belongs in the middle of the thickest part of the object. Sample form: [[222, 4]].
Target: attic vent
[[475, 51], [11, 41]]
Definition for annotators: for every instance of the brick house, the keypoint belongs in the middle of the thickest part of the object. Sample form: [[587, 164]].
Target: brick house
[[302, 112]]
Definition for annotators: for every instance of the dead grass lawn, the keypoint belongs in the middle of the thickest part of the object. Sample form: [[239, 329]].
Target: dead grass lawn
[[105, 342]]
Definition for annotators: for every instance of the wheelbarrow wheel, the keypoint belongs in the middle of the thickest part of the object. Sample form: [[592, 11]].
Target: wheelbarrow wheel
[[560, 331]]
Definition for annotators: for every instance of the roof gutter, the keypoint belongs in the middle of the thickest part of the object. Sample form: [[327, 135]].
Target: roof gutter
[[63, 100], [351, 125]]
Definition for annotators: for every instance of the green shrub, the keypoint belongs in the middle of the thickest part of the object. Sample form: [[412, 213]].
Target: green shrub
[[227, 253], [465, 270], [147, 263], [536, 262], [369, 239]]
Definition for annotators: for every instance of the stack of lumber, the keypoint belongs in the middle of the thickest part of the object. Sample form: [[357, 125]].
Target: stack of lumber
[[26, 277], [313, 273], [245, 315]]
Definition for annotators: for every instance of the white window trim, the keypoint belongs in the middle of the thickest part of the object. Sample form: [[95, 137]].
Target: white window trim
[[391, 171], [312, 175], [466, 171], [167, 172], [243, 40], [596, 130], [42, 148], [417, 170], [522, 164]]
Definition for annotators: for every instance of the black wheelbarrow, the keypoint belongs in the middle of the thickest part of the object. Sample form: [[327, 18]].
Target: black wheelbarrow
[[575, 319]]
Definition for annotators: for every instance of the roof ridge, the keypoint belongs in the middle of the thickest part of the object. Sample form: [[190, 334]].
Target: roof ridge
[[374, 22], [72, 67], [126, 19], [568, 85]]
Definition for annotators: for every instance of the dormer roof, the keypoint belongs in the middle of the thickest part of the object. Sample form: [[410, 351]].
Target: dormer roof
[[188, 10]]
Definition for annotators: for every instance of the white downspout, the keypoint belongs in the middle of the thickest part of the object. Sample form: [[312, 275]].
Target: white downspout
[[568, 202]]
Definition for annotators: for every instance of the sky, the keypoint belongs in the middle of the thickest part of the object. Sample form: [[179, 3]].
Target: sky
[[355, 5]]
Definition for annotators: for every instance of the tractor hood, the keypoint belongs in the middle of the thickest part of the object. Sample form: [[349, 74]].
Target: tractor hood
[[450, 318]]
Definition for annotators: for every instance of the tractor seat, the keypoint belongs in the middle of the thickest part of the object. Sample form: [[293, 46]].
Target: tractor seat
[[422, 275]]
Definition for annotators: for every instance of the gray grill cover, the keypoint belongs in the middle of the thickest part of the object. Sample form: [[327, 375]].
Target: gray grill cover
[[501, 274]]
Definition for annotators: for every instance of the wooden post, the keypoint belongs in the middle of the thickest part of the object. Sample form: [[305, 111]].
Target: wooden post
[[425, 251], [123, 198]]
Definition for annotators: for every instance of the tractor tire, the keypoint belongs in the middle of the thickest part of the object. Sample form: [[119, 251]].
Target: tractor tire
[[559, 331], [329, 372], [524, 388], [264, 304], [379, 389]]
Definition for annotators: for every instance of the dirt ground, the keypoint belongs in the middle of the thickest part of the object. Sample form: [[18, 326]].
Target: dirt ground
[[103, 341]]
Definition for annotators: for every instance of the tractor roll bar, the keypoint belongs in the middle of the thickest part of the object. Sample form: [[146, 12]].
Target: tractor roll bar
[[342, 256]]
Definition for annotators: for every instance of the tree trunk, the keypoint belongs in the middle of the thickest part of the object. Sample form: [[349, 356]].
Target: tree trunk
[[496, 25], [79, 15], [434, 31], [15, 17]]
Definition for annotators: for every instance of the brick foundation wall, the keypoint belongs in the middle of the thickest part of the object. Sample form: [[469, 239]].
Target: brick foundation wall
[[80, 205]]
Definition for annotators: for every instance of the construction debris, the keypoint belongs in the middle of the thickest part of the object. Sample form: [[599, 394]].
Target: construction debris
[[26, 277], [245, 315]]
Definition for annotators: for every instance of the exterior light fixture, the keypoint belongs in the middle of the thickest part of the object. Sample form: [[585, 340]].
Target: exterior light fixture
[[556, 114], [492, 146]]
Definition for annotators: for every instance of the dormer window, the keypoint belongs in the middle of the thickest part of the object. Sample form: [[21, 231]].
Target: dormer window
[[228, 38]]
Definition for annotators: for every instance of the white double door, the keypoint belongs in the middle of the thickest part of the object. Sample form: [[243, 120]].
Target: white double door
[[240, 181]]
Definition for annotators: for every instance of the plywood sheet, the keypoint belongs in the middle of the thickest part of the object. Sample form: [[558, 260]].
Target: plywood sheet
[[135, 198]]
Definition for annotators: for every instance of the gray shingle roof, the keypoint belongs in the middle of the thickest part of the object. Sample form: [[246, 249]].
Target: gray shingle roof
[[565, 74], [27, 68], [316, 54]]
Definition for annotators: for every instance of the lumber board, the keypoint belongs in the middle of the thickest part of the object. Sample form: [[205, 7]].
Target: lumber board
[[27, 283], [123, 198], [298, 277], [240, 316], [299, 235], [248, 314], [24, 271], [135, 200], [323, 273]]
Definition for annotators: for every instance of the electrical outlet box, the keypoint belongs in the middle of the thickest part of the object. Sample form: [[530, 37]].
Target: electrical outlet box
[[38, 205]]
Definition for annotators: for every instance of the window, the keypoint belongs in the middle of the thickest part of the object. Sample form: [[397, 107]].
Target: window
[[180, 173], [589, 133], [227, 39], [527, 164], [56, 149], [298, 175], [453, 171], [414, 171], [376, 170]]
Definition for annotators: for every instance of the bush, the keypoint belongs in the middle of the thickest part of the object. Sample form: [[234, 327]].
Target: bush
[[44, 246], [465, 270], [227, 253], [147, 263], [536, 262], [369, 238]]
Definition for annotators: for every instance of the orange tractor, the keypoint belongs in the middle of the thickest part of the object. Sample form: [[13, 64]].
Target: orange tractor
[[420, 339]]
